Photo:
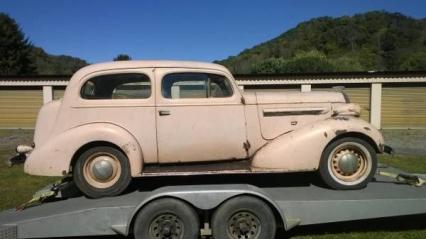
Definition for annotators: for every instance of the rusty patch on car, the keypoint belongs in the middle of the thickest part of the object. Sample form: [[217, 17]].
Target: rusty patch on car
[[366, 128], [340, 131], [325, 134], [127, 148], [246, 146], [341, 118]]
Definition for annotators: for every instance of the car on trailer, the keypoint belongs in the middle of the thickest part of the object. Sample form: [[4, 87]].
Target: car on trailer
[[159, 118]]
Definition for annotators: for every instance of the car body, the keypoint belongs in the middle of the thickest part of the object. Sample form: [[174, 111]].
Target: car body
[[180, 113]]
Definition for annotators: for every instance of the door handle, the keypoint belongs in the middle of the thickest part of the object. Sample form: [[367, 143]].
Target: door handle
[[163, 112]]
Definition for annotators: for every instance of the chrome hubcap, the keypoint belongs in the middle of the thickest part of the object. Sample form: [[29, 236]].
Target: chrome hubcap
[[348, 162], [102, 169]]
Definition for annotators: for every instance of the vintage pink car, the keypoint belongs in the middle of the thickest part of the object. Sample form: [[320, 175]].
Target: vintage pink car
[[134, 118]]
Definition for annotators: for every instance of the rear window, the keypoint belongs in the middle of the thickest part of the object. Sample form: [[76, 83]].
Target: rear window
[[117, 86]]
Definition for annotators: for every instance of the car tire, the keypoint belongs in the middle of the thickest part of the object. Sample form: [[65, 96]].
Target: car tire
[[244, 217], [348, 163], [102, 171], [167, 218]]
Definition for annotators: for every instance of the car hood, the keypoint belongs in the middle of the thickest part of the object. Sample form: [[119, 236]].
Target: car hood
[[299, 97]]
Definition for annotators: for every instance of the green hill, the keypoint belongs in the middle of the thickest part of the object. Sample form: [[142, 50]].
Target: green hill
[[378, 41], [47, 64]]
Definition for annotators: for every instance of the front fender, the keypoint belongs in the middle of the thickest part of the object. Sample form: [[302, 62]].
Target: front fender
[[301, 149], [54, 157]]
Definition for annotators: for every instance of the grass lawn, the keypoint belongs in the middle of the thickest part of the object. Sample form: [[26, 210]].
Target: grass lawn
[[412, 164], [17, 187]]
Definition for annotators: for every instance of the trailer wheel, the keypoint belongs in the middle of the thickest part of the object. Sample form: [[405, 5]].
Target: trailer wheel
[[244, 217], [102, 171], [348, 163], [167, 218]]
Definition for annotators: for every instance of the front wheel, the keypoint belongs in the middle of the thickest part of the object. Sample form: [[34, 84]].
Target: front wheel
[[102, 171], [348, 163]]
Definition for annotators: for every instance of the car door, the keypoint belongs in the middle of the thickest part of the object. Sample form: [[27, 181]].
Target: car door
[[200, 116], [123, 97]]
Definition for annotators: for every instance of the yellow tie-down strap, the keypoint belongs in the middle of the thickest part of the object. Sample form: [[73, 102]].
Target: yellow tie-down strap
[[410, 179], [48, 192]]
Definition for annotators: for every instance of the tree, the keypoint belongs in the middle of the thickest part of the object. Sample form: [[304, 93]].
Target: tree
[[269, 66], [416, 62], [312, 61], [346, 63], [15, 49], [122, 57]]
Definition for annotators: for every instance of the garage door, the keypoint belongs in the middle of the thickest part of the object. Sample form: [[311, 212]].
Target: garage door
[[58, 92], [404, 106], [19, 107]]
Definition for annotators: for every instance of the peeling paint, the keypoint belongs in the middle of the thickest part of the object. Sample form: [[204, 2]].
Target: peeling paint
[[127, 148], [246, 146], [341, 118], [340, 131]]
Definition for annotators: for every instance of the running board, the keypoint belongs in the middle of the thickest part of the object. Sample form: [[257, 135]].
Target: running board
[[211, 168], [225, 167]]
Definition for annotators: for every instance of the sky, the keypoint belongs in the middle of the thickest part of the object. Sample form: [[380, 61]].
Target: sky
[[99, 30]]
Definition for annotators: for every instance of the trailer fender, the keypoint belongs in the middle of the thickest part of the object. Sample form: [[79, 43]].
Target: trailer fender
[[206, 199], [301, 149], [53, 159]]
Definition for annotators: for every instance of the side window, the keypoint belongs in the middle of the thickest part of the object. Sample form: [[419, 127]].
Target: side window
[[195, 85], [117, 86]]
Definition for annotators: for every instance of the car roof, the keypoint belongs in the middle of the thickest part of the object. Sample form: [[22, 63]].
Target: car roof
[[149, 64]]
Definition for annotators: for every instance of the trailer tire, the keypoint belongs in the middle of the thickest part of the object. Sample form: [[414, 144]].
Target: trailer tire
[[102, 171], [244, 217], [167, 218], [348, 163]]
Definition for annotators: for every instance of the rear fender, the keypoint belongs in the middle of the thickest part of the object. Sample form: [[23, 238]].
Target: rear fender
[[301, 149], [54, 157]]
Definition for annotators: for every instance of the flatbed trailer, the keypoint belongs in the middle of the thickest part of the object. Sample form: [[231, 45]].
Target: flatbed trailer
[[292, 206]]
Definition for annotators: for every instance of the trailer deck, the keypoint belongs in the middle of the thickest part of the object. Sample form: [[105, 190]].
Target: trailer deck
[[297, 205]]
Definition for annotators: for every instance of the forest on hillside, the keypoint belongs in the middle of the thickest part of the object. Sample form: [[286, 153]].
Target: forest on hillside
[[19, 57], [373, 41]]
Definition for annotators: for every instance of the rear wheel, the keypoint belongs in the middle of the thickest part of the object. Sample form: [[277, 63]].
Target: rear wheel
[[167, 218], [348, 163], [102, 171], [244, 217]]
